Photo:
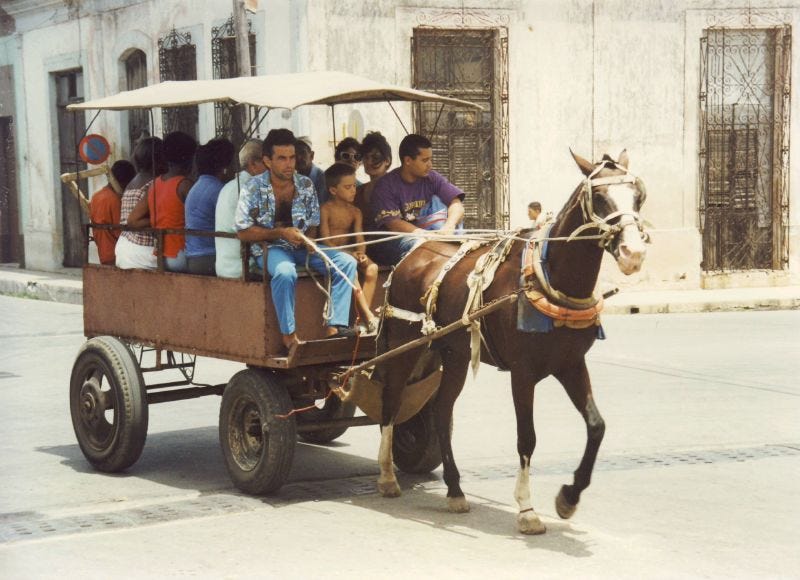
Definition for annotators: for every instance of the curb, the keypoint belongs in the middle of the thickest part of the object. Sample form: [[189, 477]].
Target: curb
[[41, 287], [694, 301]]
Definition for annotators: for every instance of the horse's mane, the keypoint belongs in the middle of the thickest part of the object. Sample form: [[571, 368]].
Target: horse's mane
[[571, 203]]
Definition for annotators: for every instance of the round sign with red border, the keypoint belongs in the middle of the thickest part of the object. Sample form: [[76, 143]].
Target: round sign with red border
[[94, 149]]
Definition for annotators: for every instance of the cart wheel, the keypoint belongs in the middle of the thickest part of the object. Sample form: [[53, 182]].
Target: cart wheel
[[108, 404], [258, 447], [415, 445], [334, 408]]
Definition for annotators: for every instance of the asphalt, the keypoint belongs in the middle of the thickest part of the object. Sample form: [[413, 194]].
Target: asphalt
[[66, 286]]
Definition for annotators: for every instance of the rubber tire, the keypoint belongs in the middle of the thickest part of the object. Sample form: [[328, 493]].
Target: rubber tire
[[116, 445], [334, 408], [415, 444], [258, 462]]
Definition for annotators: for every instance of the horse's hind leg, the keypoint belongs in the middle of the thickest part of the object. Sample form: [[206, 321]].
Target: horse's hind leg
[[578, 386], [522, 385], [393, 375], [455, 364]]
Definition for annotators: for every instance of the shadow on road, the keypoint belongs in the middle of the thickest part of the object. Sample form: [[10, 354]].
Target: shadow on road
[[191, 459], [486, 517]]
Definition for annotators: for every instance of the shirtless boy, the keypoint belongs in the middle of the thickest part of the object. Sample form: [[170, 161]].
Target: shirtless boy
[[338, 217]]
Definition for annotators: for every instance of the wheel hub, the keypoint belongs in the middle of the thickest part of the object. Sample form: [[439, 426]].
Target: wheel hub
[[91, 401]]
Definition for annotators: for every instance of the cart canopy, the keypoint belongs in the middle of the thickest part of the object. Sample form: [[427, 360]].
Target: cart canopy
[[285, 91]]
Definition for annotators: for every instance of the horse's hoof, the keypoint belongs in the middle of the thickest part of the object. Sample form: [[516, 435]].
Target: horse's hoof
[[458, 505], [530, 524], [389, 488], [564, 509]]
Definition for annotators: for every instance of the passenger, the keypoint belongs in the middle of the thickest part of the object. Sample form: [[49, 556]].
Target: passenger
[[213, 161], [279, 207], [163, 207], [104, 208], [305, 166], [340, 217], [377, 157], [535, 214], [403, 194], [135, 249], [348, 151], [229, 259]]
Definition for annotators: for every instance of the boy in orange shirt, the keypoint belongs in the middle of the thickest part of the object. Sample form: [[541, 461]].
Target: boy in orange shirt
[[338, 216], [104, 208]]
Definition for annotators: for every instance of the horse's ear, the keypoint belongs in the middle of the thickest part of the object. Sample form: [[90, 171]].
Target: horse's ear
[[585, 167], [623, 159]]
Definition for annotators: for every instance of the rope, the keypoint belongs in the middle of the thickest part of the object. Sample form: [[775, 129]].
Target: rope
[[339, 391]]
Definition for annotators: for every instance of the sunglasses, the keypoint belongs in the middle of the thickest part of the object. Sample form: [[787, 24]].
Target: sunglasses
[[350, 156], [375, 158]]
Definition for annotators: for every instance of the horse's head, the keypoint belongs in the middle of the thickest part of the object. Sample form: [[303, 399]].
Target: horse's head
[[610, 199]]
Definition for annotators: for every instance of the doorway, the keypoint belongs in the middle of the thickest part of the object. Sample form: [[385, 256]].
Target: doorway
[[10, 240], [469, 146], [71, 127], [744, 148]]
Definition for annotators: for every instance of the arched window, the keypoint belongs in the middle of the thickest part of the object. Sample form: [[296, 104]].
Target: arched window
[[136, 78]]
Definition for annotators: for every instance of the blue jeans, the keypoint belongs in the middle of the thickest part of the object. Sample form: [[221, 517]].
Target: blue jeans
[[281, 262], [391, 252], [176, 264]]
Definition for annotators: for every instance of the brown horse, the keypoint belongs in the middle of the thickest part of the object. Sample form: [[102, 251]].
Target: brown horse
[[601, 214]]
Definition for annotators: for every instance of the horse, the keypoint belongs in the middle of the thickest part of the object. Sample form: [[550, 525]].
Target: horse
[[606, 202]]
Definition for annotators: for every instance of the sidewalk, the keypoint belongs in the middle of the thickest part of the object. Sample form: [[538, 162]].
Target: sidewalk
[[66, 286]]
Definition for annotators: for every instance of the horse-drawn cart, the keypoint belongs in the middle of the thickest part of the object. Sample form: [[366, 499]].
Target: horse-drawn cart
[[146, 324]]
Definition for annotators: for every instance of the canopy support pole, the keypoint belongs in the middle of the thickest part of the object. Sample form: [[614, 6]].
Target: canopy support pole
[[436, 124], [89, 126], [255, 123], [333, 122], [398, 116]]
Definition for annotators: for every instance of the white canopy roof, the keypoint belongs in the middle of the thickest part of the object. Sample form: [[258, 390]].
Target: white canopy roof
[[286, 91]]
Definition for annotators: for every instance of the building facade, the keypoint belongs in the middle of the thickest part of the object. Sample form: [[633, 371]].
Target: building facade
[[699, 92]]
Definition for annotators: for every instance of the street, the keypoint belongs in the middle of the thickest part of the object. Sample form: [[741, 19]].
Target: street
[[696, 477]]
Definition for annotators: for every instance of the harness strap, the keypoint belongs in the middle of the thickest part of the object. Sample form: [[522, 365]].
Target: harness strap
[[572, 318], [535, 260], [431, 295], [390, 311], [478, 281]]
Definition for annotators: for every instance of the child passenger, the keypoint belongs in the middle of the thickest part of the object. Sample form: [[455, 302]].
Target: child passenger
[[339, 217]]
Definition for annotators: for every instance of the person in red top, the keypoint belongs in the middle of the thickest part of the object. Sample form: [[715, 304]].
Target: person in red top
[[104, 208], [163, 207]]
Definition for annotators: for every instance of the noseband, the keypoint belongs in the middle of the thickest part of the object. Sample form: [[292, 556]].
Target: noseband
[[608, 232]]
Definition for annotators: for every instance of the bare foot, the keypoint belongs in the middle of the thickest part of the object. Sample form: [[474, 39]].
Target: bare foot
[[289, 340]]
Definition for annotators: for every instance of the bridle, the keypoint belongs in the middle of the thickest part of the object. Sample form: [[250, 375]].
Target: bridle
[[608, 232]]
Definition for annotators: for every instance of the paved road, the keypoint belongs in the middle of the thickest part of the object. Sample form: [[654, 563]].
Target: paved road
[[697, 475]]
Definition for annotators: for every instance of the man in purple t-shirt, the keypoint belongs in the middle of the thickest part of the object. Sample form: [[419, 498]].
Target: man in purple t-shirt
[[405, 193]]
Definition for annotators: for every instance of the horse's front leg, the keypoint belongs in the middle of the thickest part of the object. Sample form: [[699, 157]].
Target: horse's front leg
[[522, 385], [455, 365], [578, 386], [387, 481]]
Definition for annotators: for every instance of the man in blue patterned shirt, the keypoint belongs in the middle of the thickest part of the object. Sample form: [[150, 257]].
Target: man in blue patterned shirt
[[277, 207]]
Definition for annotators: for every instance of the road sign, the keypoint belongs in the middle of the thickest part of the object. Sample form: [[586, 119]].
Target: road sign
[[94, 149]]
